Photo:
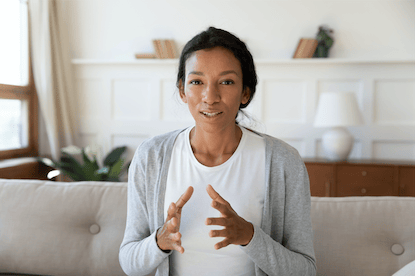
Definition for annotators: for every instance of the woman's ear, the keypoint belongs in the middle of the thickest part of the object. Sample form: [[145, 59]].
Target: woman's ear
[[246, 94], [181, 92]]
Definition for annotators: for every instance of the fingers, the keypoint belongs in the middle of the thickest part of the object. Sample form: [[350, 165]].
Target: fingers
[[171, 212], [237, 230], [222, 244], [169, 238], [176, 243], [176, 208], [185, 197], [224, 209], [175, 236], [214, 195], [217, 221], [172, 225], [178, 248], [218, 233]]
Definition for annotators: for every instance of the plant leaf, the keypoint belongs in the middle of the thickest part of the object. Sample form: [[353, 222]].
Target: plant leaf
[[114, 156], [116, 170], [69, 171], [69, 163], [89, 168]]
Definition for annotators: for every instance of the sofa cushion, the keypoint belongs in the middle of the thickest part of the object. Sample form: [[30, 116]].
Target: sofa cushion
[[363, 235], [56, 228]]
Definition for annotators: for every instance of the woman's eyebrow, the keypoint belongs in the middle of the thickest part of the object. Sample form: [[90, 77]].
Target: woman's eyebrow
[[196, 73], [228, 72], [221, 74]]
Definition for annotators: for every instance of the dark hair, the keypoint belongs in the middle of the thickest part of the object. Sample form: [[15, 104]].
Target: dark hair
[[214, 37]]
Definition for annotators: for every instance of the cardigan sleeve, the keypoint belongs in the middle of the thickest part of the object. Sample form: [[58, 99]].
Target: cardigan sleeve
[[139, 253], [293, 252]]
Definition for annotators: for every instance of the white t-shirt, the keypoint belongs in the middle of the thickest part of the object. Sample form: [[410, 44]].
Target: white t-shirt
[[240, 181]]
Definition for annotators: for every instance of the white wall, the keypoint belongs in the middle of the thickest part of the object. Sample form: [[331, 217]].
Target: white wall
[[124, 103], [116, 29], [104, 30]]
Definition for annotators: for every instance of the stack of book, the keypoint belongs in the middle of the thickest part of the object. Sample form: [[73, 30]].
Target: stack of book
[[306, 48], [165, 48]]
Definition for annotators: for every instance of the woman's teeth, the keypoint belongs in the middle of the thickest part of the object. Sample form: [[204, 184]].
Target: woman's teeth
[[211, 114]]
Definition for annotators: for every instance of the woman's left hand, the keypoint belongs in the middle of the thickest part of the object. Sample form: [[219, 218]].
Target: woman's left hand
[[237, 230]]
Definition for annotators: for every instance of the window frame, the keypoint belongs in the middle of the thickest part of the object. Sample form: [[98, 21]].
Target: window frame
[[27, 93]]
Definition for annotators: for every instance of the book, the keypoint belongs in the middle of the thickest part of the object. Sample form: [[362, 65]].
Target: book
[[174, 49], [163, 44], [157, 48], [145, 55], [171, 48], [305, 48], [165, 48]]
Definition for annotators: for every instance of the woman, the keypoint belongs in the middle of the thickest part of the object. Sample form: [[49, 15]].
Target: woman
[[237, 201]]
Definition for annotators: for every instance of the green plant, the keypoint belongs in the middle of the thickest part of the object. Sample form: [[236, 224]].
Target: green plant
[[80, 164], [325, 41]]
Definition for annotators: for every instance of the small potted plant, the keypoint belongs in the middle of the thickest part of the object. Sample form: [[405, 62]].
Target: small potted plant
[[325, 41], [80, 164]]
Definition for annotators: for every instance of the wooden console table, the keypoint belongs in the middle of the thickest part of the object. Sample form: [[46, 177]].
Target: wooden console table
[[23, 168], [361, 177]]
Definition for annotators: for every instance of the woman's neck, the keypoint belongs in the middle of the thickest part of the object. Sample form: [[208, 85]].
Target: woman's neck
[[214, 148]]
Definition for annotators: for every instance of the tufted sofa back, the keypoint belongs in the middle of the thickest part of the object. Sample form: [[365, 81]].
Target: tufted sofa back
[[363, 235], [57, 228]]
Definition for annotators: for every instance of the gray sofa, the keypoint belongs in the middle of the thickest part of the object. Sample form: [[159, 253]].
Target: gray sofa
[[61, 228]]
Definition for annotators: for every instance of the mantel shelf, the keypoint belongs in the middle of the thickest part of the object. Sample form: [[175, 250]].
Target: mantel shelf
[[309, 61]]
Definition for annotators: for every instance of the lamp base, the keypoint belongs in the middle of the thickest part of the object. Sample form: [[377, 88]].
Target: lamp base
[[337, 144]]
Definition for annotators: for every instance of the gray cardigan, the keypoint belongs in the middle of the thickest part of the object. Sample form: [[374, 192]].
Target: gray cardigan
[[283, 245]]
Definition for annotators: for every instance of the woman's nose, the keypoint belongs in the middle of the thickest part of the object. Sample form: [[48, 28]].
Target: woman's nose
[[211, 94]]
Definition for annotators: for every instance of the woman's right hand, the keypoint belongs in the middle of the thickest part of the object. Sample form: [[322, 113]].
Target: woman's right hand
[[168, 236]]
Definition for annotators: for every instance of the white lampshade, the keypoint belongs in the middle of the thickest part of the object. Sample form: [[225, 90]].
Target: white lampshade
[[337, 109]]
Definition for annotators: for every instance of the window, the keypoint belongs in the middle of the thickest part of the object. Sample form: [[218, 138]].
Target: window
[[18, 102]]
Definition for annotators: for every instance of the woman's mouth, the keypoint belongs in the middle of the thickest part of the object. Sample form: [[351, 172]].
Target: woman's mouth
[[211, 114]]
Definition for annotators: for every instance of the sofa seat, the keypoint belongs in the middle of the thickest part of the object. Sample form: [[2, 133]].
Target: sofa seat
[[76, 228]]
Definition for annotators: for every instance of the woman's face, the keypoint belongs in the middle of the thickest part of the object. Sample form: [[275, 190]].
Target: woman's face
[[213, 88]]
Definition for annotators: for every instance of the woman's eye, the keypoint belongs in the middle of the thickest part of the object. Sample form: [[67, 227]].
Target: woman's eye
[[228, 82], [195, 82]]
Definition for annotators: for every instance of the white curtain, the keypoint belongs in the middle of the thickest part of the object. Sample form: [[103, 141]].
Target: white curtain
[[52, 74]]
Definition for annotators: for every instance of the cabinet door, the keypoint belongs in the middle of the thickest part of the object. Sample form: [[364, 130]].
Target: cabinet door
[[321, 179], [406, 181], [362, 180]]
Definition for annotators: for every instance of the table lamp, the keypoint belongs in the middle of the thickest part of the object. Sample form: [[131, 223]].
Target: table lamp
[[337, 111]]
